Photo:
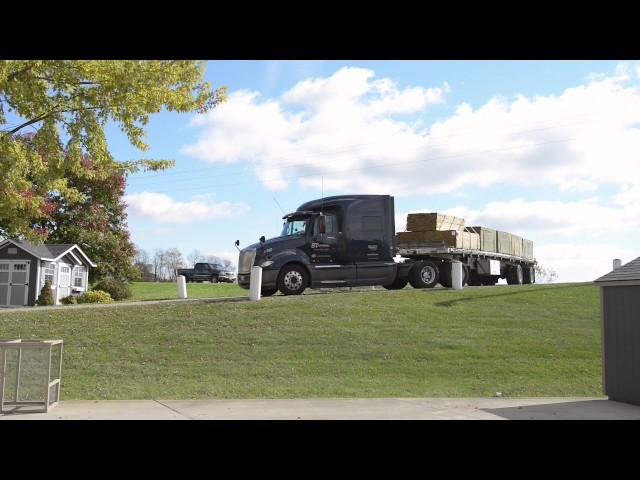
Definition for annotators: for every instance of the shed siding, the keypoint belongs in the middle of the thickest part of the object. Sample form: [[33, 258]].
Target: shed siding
[[33, 269], [621, 332]]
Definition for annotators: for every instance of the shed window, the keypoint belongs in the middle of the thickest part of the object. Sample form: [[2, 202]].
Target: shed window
[[49, 272], [78, 276]]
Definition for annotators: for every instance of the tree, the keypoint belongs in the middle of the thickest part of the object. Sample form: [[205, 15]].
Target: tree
[[68, 103], [545, 275], [194, 257], [142, 262], [158, 265], [173, 261]]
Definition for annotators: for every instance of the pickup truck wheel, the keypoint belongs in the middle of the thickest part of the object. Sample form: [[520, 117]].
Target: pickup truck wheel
[[424, 274], [514, 276], [214, 279], [292, 280], [398, 284]]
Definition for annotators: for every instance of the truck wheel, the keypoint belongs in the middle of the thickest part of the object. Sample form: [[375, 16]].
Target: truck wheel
[[424, 274], [214, 279], [445, 275], [529, 275], [267, 292], [292, 280], [398, 284], [514, 275], [474, 279]]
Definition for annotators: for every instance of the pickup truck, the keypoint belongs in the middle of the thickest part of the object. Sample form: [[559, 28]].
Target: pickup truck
[[206, 272]]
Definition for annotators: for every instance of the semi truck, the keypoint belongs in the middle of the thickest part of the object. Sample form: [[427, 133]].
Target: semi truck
[[350, 241]]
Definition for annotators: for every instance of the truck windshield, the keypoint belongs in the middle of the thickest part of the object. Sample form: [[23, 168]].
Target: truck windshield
[[294, 227]]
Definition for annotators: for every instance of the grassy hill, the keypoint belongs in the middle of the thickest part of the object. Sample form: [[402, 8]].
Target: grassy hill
[[541, 340]]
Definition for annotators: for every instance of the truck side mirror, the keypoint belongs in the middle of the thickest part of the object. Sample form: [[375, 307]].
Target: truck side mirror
[[262, 239], [237, 243]]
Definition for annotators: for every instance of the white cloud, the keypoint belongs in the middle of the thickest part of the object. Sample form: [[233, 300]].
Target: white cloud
[[164, 209], [580, 263], [353, 129]]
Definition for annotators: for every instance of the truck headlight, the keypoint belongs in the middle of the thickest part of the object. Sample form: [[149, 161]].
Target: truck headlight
[[268, 263]]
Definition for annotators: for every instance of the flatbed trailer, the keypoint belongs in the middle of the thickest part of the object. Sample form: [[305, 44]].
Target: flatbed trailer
[[479, 267]]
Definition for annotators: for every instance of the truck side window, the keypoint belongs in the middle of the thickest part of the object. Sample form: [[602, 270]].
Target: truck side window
[[330, 225]]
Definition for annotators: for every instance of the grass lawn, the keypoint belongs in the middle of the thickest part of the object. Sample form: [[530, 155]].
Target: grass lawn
[[541, 340], [169, 290]]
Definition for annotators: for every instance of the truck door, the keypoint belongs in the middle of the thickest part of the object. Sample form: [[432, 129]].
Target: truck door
[[329, 268], [369, 242]]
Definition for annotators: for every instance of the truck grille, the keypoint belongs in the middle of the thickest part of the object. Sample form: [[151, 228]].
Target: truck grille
[[245, 262]]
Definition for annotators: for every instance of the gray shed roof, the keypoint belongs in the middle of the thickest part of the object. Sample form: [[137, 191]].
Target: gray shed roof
[[627, 272], [49, 251]]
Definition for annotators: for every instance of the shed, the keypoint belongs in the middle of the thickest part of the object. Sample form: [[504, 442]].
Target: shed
[[620, 323], [24, 267]]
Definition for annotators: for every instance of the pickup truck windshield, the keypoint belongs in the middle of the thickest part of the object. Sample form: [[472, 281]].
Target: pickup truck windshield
[[294, 227]]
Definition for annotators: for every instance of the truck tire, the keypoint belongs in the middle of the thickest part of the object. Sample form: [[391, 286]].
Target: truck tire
[[529, 275], [514, 275], [445, 275], [424, 274], [398, 284], [214, 279], [474, 279], [267, 292], [292, 280]]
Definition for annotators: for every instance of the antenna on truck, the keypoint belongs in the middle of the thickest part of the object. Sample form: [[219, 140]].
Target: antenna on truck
[[274, 199], [322, 193]]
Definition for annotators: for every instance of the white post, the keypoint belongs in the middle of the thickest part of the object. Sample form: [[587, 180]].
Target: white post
[[456, 275], [255, 284], [617, 263], [182, 286]]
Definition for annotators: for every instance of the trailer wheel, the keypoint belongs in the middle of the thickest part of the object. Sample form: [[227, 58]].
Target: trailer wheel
[[514, 275], [445, 275], [292, 280], [474, 279], [398, 284], [529, 276], [424, 274]]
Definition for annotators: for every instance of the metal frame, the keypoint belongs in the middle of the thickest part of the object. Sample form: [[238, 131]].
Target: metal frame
[[19, 345]]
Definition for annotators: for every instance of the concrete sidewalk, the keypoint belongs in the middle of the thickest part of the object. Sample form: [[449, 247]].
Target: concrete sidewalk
[[580, 408]]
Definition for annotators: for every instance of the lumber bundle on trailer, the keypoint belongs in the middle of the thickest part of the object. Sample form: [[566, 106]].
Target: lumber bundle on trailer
[[527, 249], [503, 240], [450, 238], [487, 238], [424, 222], [516, 245]]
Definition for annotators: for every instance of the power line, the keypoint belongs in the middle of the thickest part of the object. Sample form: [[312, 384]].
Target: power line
[[382, 165], [350, 149]]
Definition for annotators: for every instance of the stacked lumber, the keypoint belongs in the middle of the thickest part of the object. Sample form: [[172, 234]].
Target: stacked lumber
[[426, 222], [487, 238], [436, 229], [451, 238]]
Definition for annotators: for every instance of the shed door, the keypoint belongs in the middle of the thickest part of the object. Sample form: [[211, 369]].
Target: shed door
[[4, 283], [64, 281], [14, 283]]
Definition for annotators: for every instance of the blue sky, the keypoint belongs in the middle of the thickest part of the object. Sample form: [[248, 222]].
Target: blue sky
[[542, 149]]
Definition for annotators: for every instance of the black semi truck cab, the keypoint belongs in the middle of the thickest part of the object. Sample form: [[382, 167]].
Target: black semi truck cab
[[336, 241]]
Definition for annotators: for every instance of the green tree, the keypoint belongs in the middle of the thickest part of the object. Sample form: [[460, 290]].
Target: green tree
[[68, 104]]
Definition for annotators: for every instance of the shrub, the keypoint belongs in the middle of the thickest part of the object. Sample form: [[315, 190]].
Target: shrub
[[95, 296], [70, 300], [116, 288], [46, 295]]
